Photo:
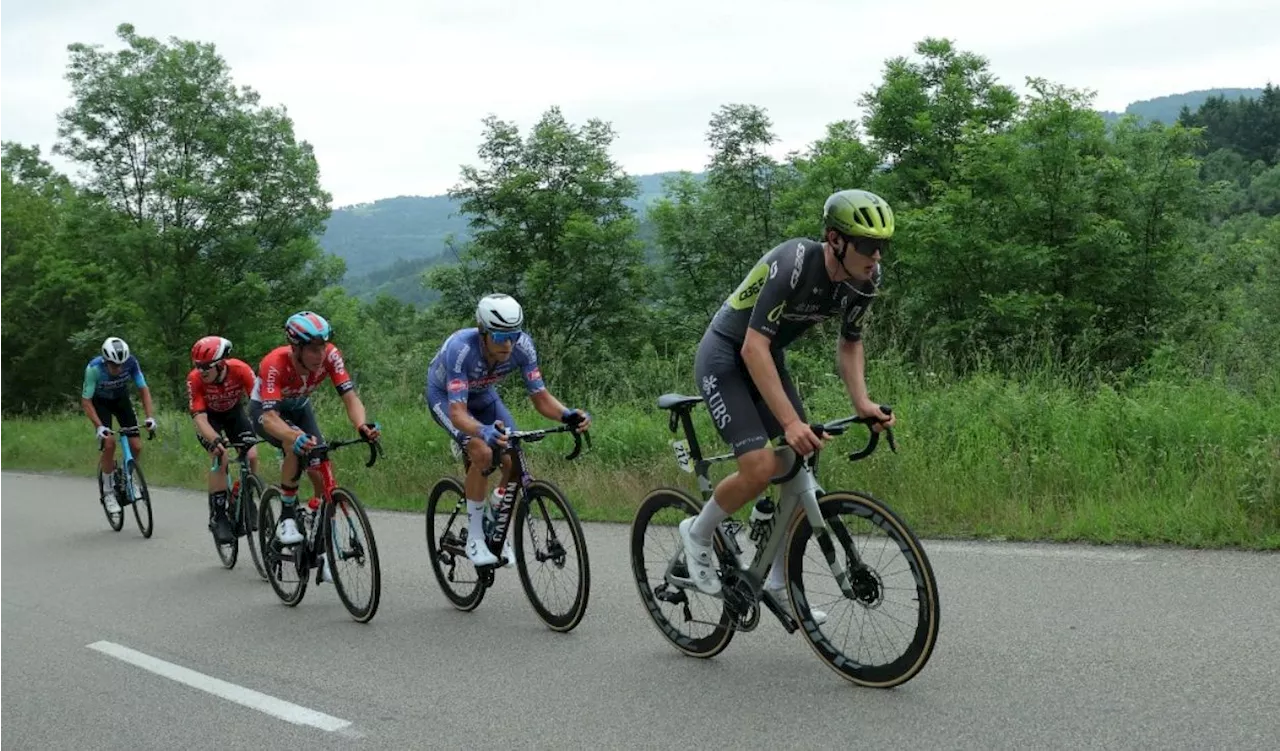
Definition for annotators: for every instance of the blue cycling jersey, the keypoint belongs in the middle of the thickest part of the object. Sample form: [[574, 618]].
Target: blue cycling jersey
[[460, 369], [98, 382]]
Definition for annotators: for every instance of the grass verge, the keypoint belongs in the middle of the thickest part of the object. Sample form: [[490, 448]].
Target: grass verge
[[988, 457]]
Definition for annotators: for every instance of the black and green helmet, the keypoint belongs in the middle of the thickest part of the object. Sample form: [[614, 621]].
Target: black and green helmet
[[858, 213]]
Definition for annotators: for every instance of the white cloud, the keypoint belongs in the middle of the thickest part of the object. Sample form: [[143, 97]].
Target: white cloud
[[391, 92]]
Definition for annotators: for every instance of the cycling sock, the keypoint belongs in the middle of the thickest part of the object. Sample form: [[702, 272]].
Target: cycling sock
[[288, 499], [475, 519], [704, 526]]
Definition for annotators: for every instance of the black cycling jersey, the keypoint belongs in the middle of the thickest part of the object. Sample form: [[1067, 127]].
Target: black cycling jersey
[[788, 291]]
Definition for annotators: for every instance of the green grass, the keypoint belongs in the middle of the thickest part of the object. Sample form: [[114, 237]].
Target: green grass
[[1195, 464]]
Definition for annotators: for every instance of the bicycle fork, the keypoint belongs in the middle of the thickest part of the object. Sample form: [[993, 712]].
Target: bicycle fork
[[805, 486]]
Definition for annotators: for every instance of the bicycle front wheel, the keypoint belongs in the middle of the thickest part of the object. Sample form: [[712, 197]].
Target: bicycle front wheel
[[886, 625], [353, 556], [141, 500], [559, 548], [251, 490]]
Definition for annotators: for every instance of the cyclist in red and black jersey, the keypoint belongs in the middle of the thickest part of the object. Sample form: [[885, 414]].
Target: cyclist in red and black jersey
[[215, 387], [280, 405]]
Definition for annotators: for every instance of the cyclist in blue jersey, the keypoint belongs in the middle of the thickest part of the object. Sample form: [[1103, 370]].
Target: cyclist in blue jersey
[[105, 395], [463, 400]]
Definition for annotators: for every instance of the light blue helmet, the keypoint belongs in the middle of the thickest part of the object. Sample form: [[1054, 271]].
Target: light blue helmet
[[307, 327]]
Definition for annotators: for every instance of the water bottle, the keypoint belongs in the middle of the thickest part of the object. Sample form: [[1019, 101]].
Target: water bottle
[[761, 519], [313, 510]]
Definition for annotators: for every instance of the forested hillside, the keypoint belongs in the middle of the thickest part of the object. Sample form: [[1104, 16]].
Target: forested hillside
[[374, 238], [1079, 322]]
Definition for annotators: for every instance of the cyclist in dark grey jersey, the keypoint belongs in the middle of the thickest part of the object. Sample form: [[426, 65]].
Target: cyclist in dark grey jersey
[[740, 365]]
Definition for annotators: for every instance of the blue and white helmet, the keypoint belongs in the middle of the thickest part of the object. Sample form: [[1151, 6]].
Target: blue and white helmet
[[114, 350]]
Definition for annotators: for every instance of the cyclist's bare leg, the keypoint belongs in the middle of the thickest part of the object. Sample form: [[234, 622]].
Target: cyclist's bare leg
[[107, 463], [253, 460], [135, 443], [218, 477], [755, 469]]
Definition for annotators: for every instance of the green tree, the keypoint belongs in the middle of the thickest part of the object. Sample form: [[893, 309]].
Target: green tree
[[53, 282], [551, 226], [918, 113], [223, 203]]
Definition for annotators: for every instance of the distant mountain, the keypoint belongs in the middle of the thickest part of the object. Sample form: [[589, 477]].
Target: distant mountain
[[371, 237], [1167, 108]]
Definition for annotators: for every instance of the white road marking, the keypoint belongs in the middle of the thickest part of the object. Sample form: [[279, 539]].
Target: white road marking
[[279, 708]]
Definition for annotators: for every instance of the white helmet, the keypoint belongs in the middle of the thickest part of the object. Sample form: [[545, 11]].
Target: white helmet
[[114, 350], [499, 312]]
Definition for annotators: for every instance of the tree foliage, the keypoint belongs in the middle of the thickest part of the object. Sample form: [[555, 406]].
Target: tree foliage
[[1030, 228]]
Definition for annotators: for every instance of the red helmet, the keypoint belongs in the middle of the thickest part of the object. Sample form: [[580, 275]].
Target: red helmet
[[210, 349]]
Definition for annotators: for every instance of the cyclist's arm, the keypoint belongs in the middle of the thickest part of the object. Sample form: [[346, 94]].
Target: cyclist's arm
[[764, 373], [196, 406], [355, 408], [462, 419], [275, 425], [851, 359], [203, 427], [86, 395], [147, 406], [547, 405]]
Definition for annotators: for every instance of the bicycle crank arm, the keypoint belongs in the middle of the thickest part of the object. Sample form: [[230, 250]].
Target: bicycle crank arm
[[779, 612]]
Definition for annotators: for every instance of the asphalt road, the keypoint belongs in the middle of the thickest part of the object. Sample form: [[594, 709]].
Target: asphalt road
[[1040, 647]]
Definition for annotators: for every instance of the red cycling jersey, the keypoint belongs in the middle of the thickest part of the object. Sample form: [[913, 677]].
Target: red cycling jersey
[[221, 396], [278, 381]]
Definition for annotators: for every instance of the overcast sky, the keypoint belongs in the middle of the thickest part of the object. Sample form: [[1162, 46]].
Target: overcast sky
[[391, 92]]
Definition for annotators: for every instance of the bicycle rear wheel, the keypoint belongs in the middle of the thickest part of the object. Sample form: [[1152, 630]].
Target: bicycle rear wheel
[[461, 583], [352, 550], [562, 545], [286, 565], [892, 603], [710, 627]]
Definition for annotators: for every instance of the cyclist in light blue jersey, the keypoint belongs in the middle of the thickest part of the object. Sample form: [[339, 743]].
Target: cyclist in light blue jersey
[[463, 400], [105, 395]]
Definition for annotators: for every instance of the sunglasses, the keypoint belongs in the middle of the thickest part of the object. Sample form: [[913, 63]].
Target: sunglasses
[[866, 246], [502, 337], [207, 366]]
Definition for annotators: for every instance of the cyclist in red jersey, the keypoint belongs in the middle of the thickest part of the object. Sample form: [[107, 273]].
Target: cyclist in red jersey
[[215, 387], [280, 406]]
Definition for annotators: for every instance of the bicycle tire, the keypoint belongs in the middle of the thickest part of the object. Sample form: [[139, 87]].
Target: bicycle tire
[[273, 559], [567, 621], [367, 612], [913, 660], [719, 638], [146, 528], [441, 555], [116, 520], [251, 488]]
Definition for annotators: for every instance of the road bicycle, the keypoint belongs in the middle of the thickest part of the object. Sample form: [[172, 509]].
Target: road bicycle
[[242, 495], [527, 504], [343, 546], [129, 486], [855, 534]]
